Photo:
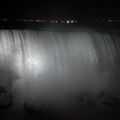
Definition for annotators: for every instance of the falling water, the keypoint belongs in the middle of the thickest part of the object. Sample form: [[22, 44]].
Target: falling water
[[53, 65]]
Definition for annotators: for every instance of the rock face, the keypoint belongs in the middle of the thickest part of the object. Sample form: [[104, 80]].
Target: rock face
[[100, 99], [45, 111], [7, 78], [5, 97], [107, 100]]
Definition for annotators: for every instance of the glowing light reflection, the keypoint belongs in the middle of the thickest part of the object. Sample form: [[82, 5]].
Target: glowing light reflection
[[35, 64]]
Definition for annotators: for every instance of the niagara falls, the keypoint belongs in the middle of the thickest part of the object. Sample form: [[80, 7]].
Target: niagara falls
[[59, 70]]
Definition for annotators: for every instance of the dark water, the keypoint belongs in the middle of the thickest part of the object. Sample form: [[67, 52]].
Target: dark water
[[70, 73]]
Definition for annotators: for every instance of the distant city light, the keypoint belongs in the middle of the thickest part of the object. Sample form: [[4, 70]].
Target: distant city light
[[63, 21], [72, 21], [67, 21]]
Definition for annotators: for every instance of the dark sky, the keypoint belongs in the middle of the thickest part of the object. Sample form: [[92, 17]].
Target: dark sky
[[58, 9]]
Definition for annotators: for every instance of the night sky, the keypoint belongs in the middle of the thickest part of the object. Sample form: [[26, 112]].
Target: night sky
[[58, 9]]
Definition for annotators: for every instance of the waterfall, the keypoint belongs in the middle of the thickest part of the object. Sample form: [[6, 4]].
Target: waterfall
[[59, 63]]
